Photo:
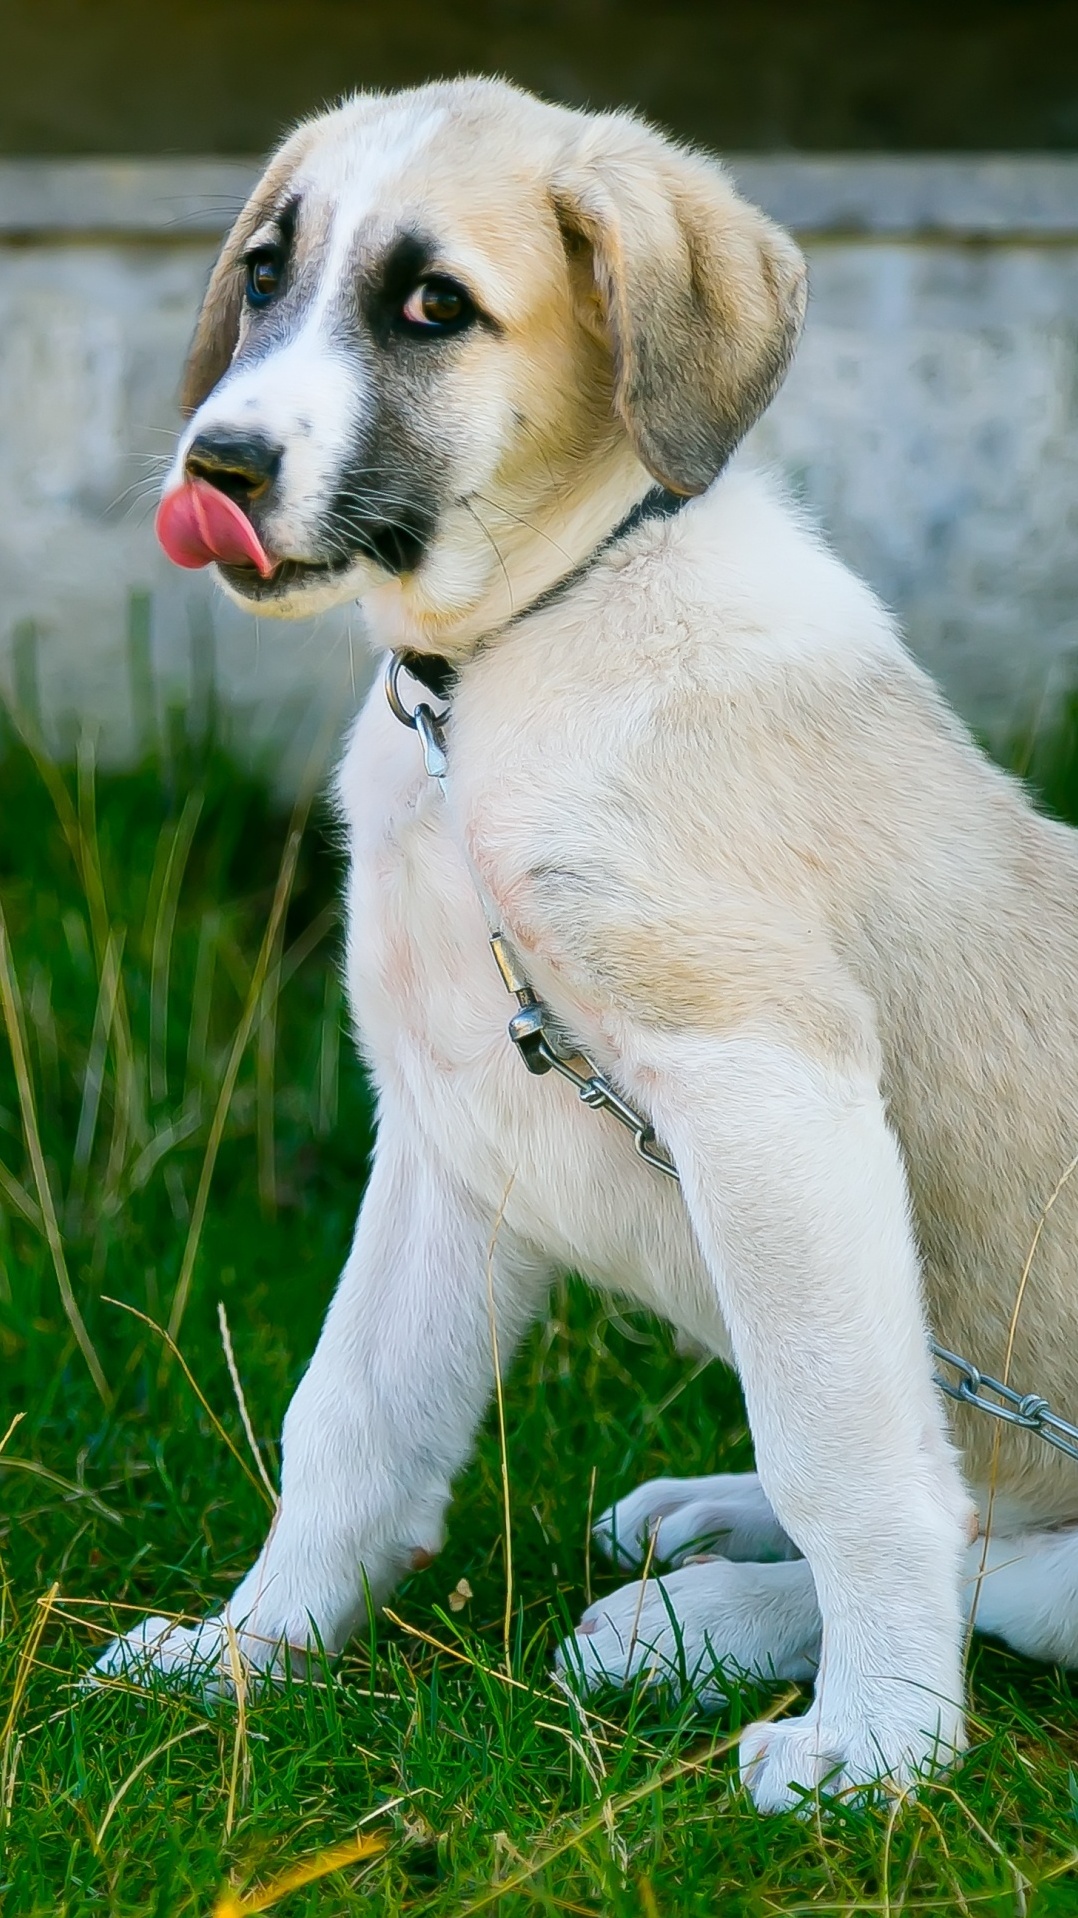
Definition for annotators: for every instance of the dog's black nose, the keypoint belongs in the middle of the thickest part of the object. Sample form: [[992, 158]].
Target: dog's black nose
[[241, 465]]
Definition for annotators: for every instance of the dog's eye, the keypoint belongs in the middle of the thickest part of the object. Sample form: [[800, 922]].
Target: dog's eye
[[438, 306], [264, 273]]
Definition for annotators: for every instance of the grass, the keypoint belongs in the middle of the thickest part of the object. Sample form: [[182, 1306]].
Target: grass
[[183, 1127]]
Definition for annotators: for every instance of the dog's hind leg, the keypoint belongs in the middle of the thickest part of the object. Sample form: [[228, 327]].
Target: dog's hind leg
[[695, 1628], [1024, 1590], [699, 1627]]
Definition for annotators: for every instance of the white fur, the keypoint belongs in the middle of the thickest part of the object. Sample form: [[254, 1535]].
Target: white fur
[[673, 1518], [807, 1198], [735, 840]]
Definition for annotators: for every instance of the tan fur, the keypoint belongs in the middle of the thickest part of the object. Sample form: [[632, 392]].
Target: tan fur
[[702, 295]]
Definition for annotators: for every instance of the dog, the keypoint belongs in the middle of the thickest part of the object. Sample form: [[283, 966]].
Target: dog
[[481, 363]]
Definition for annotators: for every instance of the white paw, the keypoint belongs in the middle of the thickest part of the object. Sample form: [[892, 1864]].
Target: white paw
[[695, 1629], [783, 1764], [205, 1658], [726, 1513]]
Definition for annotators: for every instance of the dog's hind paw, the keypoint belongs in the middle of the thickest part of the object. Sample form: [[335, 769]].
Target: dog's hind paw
[[691, 1628], [727, 1513]]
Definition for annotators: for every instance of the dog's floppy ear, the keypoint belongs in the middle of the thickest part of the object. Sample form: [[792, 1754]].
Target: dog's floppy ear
[[701, 297], [217, 331]]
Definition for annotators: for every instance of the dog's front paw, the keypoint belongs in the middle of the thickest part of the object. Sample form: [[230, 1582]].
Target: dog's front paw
[[727, 1513], [784, 1764], [209, 1657], [157, 1648], [694, 1628]]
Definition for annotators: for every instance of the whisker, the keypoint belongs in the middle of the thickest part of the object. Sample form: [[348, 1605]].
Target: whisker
[[522, 420], [519, 521], [491, 541], [137, 493]]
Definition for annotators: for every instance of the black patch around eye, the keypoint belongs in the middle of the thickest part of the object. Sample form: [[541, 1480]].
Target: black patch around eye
[[403, 267], [409, 260]]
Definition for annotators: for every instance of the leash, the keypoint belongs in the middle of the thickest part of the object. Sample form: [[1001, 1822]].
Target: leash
[[543, 1048]]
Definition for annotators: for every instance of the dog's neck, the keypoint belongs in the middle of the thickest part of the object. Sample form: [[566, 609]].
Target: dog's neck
[[541, 550], [439, 674]]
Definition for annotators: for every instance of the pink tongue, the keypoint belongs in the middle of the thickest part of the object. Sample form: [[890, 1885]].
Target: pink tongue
[[197, 524]]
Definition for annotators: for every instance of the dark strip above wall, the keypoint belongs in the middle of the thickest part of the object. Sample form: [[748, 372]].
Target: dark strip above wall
[[225, 76]]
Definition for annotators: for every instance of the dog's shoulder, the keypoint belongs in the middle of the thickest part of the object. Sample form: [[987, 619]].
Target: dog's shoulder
[[717, 636]]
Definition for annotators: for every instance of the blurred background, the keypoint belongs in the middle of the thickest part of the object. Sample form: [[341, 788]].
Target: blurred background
[[926, 155]]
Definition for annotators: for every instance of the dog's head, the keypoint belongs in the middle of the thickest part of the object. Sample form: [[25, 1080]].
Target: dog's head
[[447, 318]]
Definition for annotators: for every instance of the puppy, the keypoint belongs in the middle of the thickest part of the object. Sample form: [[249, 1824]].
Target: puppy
[[480, 363]]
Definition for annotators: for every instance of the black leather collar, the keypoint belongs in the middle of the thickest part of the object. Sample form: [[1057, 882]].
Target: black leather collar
[[432, 671], [439, 675]]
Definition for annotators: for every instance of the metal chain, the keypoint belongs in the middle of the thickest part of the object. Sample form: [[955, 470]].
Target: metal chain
[[542, 1050], [1026, 1410]]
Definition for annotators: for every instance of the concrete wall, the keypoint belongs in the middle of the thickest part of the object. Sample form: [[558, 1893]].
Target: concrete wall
[[930, 421]]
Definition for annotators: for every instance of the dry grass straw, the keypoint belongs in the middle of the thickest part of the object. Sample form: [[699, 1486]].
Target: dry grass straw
[[240, 1773], [653, 1538], [241, 1401], [352, 1851], [507, 1505], [561, 1694], [9, 1745], [262, 1485], [282, 894], [13, 1021], [701, 1760], [118, 1796]]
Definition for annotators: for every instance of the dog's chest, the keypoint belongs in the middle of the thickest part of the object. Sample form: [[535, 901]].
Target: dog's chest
[[432, 1013]]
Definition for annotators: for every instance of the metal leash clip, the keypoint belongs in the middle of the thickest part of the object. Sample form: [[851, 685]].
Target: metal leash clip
[[422, 719]]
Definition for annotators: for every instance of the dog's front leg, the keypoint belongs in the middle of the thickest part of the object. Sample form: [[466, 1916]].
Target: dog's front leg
[[379, 1425], [797, 1194]]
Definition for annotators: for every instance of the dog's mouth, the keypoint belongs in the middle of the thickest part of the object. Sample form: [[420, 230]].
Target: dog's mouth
[[287, 576], [200, 525]]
